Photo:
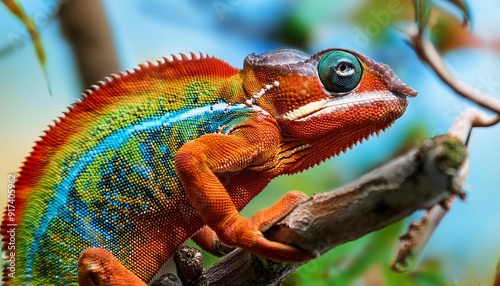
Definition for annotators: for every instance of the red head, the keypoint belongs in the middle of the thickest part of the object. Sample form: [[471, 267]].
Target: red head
[[331, 99]]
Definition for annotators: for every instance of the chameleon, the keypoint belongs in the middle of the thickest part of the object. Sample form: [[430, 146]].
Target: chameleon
[[174, 149]]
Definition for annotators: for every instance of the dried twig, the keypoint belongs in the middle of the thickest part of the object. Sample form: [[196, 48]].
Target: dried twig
[[419, 232], [469, 119], [427, 53], [413, 242]]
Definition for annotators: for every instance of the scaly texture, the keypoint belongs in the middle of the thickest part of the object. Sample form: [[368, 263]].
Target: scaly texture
[[149, 157]]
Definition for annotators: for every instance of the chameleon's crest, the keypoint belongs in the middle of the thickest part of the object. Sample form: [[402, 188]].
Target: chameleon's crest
[[118, 101]]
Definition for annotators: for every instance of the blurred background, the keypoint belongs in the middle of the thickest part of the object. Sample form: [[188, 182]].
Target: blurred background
[[36, 88]]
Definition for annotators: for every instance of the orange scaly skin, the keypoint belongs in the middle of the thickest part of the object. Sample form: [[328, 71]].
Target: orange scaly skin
[[176, 149]]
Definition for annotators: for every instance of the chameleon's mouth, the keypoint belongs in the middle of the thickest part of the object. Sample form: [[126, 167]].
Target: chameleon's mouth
[[344, 103]]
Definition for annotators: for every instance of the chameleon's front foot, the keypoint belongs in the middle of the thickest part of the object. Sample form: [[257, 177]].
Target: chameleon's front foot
[[247, 233], [98, 267]]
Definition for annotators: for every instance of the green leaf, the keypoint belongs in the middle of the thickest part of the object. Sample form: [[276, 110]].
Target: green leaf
[[422, 13], [17, 10]]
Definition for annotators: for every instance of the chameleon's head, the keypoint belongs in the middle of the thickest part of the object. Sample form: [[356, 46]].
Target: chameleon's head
[[335, 93]]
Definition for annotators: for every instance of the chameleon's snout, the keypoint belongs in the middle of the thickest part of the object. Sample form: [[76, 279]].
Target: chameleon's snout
[[393, 83], [400, 89]]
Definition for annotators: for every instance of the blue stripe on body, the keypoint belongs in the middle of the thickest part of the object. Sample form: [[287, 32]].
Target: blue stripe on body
[[115, 141]]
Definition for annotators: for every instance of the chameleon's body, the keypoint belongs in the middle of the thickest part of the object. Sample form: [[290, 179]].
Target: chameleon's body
[[148, 158]]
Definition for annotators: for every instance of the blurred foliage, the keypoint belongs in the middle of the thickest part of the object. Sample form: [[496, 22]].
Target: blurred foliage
[[497, 276], [295, 31], [375, 18], [366, 261], [412, 136], [447, 30], [17, 10]]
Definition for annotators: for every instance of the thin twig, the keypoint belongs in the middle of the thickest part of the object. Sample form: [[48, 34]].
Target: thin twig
[[427, 53], [469, 119], [413, 242]]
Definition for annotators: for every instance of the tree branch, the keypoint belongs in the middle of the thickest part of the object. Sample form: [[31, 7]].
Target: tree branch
[[419, 179], [92, 40], [497, 276]]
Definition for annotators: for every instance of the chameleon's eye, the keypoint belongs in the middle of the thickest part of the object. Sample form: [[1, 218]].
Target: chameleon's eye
[[340, 71]]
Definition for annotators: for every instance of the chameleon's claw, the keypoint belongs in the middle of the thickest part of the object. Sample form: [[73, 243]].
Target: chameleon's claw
[[247, 233], [278, 251]]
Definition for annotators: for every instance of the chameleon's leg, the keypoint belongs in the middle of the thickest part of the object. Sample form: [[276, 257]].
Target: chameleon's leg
[[195, 164], [98, 267], [207, 239]]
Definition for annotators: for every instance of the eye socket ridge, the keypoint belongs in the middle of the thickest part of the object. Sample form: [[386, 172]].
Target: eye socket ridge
[[340, 71]]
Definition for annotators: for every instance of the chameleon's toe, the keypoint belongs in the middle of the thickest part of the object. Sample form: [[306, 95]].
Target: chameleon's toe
[[244, 234], [254, 242], [266, 218], [207, 239]]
